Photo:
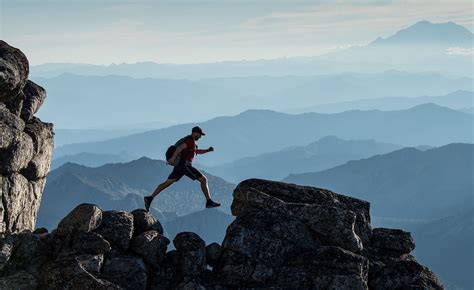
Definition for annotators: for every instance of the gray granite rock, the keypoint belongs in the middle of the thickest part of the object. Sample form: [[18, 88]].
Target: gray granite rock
[[34, 96], [144, 221], [14, 70], [42, 136], [151, 246], [117, 228], [21, 280], [213, 253], [25, 144], [126, 270], [20, 202], [392, 240], [69, 273], [191, 254], [83, 218]]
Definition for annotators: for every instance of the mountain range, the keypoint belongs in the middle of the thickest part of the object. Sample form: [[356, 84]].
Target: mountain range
[[122, 186], [458, 100], [407, 183], [130, 101], [422, 45], [322, 154], [255, 132]]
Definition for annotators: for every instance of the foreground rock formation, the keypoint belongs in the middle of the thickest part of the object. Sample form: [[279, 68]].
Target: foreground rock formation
[[26, 143], [284, 236]]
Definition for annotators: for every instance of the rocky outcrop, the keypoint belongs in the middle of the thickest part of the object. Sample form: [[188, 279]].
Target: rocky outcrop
[[296, 237], [26, 143], [282, 238]]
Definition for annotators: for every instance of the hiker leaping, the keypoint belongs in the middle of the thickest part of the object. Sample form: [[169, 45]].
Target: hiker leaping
[[181, 156]]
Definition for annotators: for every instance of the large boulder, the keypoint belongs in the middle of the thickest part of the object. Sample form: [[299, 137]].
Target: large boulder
[[392, 240], [126, 270], [42, 137], [191, 254], [213, 253], [296, 237], [151, 245], [297, 194], [144, 221], [83, 218], [70, 273], [117, 228], [14, 70], [34, 96]]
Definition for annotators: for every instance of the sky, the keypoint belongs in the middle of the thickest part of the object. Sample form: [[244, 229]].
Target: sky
[[197, 31]]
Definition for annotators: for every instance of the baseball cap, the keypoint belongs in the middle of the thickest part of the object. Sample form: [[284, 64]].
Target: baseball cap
[[197, 129]]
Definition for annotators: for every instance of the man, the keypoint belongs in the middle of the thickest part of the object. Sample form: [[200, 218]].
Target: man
[[186, 151]]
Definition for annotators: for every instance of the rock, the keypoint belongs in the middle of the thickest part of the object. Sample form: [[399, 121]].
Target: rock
[[213, 253], [248, 250], [15, 104], [42, 136], [190, 285], [151, 245], [34, 96], [83, 218], [30, 253], [292, 193], [392, 240], [326, 268], [21, 200], [91, 263], [117, 228], [287, 236], [144, 221], [191, 254], [89, 243], [40, 231], [402, 274], [69, 273], [14, 70], [19, 281], [17, 153], [126, 270], [333, 224], [6, 248], [25, 147]]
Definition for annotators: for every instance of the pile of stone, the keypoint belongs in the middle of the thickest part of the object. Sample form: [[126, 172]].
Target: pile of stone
[[95, 249], [284, 236], [26, 143]]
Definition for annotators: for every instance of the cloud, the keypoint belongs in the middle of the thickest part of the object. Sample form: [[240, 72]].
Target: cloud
[[208, 30], [460, 51]]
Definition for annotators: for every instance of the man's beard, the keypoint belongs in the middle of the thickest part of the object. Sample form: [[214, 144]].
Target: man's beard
[[196, 138]]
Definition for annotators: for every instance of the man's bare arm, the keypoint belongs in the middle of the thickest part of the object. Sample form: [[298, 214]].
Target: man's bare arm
[[203, 151]]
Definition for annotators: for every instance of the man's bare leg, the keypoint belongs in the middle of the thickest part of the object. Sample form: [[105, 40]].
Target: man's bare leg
[[205, 187], [162, 186]]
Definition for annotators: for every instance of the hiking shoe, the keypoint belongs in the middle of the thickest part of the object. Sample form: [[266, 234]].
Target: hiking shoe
[[211, 203], [147, 200]]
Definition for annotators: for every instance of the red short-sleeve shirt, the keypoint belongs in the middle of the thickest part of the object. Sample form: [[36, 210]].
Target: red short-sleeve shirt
[[191, 149]]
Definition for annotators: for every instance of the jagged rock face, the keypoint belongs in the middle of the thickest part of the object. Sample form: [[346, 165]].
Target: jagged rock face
[[26, 143], [295, 237]]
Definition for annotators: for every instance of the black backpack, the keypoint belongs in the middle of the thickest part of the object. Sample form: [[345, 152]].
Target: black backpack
[[172, 149]]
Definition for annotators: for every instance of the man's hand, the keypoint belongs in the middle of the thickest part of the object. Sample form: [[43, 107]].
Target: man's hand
[[210, 149]]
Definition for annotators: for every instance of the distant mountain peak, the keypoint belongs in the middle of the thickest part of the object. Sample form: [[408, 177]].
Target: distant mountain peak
[[428, 33]]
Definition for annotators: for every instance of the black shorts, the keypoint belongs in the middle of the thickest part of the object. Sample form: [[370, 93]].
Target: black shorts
[[185, 169]]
